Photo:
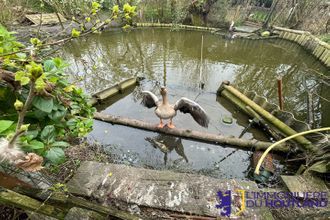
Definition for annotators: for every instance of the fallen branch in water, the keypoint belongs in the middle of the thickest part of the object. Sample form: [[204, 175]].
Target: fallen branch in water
[[195, 135]]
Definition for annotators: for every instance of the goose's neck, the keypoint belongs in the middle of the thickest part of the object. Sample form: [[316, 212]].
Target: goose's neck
[[165, 100]]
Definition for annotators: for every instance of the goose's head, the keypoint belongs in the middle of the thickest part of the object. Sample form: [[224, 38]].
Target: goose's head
[[163, 91]]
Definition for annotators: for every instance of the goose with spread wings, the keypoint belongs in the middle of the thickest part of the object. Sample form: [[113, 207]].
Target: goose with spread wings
[[164, 110]]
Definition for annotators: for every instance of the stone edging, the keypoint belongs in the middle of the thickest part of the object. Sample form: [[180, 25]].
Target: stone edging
[[181, 26], [320, 49]]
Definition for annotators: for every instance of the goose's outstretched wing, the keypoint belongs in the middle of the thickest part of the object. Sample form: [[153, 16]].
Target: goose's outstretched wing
[[149, 99], [197, 112]]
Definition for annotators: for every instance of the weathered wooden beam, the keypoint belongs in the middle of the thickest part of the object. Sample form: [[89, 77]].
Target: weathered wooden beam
[[70, 201], [11, 198], [190, 134]]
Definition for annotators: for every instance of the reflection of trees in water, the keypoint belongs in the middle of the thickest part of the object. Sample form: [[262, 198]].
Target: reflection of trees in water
[[126, 55], [154, 53]]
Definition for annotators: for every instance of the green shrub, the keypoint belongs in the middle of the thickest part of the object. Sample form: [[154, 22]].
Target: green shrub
[[58, 110]]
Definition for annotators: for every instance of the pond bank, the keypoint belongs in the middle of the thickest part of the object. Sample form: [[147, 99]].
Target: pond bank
[[320, 49]]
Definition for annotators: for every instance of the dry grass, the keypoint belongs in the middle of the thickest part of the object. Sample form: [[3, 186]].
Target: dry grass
[[75, 155], [12, 11], [11, 213]]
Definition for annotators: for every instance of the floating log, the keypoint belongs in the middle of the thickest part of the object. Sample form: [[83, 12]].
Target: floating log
[[113, 90], [186, 133], [282, 127]]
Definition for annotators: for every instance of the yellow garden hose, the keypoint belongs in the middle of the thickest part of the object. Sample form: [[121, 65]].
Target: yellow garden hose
[[283, 140]]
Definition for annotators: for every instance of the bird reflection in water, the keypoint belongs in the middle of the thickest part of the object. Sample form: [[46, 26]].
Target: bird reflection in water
[[166, 143]]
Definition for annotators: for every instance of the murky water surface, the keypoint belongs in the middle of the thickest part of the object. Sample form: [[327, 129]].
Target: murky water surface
[[173, 58]]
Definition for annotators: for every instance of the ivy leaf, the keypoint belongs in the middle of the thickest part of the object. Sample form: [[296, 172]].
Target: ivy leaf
[[5, 124], [57, 115], [48, 134], [45, 105], [49, 65], [60, 144], [72, 123], [55, 155], [59, 63], [29, 136], [40, 115], [35, 145]]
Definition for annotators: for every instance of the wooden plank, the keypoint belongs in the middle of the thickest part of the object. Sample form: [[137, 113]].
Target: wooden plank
[[300, 39], [47, 18], [289, 30], [327, 62], [292, 36], [61, 199], [11, 198], [296, 39], [319, 51], [180, 192], [325, 56], [305, 40], [285, 36]]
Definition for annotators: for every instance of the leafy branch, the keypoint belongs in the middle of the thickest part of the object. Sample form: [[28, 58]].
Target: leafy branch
[[40, 109]]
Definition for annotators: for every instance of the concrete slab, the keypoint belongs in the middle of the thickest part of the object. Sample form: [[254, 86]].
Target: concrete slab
[[83, 214], [188, 193], [305, 184]]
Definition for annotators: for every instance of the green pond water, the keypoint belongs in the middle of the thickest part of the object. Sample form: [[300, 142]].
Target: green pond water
[[173, 58]]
